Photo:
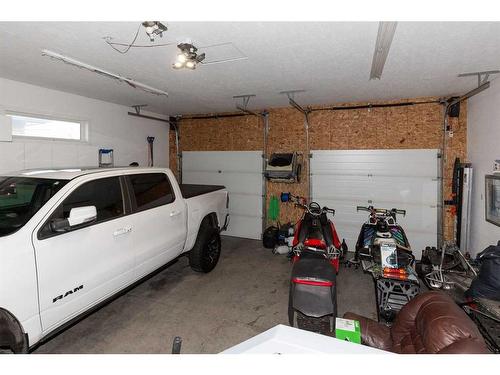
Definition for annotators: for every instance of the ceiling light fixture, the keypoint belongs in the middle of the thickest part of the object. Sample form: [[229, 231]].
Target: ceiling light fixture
[[154, 28], [385, 35], [181, 58], [79, 64], [188, 57]]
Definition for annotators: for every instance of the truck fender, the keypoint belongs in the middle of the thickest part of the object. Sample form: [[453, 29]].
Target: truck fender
[[12, 335], [214, 221], [210, 220]]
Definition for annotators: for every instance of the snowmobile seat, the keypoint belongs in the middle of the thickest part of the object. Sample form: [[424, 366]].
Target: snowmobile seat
[[312, 265]]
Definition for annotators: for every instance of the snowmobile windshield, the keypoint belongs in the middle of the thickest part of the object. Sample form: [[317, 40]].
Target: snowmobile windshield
[[21, 198]]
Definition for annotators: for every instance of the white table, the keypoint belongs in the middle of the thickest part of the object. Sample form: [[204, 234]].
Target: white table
[[283, 339]]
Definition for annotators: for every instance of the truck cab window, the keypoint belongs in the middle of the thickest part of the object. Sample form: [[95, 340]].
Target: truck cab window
[[21, 198], [151, 190], [105, 194]]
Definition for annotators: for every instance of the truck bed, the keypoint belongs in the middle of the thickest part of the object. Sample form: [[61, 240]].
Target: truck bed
[[191, 190]]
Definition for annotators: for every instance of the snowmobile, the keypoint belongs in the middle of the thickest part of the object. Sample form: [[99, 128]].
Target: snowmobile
[[383, 250], [316, 254]]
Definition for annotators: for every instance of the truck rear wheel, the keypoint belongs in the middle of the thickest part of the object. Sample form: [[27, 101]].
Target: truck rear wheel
[[206, 250]]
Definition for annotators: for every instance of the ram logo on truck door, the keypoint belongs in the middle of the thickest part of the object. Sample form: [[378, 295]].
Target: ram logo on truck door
[[61, 296]]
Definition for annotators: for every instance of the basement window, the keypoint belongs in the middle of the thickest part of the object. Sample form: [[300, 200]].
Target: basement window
[[34, 126]]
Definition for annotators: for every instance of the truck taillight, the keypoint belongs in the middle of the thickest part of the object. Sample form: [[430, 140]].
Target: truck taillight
[[227, 200]]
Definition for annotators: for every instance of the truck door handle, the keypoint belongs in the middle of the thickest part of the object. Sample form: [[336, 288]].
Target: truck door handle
[[175, 213], [122, 231]]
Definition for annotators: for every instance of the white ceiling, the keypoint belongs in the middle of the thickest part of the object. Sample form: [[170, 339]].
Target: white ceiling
[[330, 60]]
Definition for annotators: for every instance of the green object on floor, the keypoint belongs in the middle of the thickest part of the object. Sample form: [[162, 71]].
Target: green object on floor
[[348, 330], [274, 208]]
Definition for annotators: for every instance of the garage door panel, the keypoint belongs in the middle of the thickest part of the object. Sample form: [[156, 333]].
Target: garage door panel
[[241, 173], [391, 162], [244, 227], [357, 170], [245, 204], [235, 182], [415, 192], [231, 161], [388, 158], [405, 179]]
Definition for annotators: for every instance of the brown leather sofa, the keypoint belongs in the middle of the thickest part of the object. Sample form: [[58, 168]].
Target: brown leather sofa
[[430, 323]]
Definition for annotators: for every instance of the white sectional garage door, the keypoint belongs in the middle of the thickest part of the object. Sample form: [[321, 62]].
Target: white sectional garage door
[[241, 173], [405, 179]]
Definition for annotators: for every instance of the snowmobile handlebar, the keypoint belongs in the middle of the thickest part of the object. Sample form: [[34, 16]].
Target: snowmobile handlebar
[[399, 212], [313, 208], [374, 211], [363, 208], [330, 210]]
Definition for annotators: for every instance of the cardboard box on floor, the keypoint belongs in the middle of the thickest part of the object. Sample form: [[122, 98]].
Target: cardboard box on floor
[[348, 330]]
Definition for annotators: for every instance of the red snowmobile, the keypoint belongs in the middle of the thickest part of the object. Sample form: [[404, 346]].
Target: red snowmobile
[[317, 251]]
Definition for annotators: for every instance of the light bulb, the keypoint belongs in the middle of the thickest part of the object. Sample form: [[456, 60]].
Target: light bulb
[[181, 57], [178, 65], [149, 30], [190, 65]]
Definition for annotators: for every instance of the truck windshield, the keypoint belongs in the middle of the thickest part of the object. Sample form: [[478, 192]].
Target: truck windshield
[[21, 198]]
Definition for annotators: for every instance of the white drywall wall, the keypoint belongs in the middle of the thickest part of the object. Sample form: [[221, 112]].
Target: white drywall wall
[[483, 147], [109, 127]]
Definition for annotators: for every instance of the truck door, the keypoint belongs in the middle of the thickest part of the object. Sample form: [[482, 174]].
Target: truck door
[[84, 264], [159, 218]]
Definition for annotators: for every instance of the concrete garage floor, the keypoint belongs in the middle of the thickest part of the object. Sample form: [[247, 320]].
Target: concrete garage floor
[[246, 294]]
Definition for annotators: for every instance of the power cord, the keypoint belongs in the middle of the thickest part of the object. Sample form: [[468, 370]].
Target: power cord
[[137, 45], [111, 44]]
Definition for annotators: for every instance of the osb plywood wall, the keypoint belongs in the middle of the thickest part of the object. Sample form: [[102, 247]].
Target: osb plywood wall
[[405, 127]]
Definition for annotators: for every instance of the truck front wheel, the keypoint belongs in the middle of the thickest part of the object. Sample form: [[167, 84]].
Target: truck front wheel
[[206, 250], [12, 337]]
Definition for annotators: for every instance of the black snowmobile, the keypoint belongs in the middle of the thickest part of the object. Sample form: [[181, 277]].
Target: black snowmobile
[[383, 250]]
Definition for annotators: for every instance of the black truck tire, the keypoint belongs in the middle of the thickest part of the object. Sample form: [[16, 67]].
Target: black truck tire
[[13, 340], [205, 253]]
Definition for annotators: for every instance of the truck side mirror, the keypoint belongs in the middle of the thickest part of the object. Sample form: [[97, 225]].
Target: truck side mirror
[[59, 225], [77, 216], [82, 215]]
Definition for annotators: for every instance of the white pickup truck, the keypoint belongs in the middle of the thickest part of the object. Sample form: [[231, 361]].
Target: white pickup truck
[[71, 239]]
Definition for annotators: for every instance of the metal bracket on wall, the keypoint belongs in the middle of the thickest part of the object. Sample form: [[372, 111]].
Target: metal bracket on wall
[[305, 111], [243, 106], [291, 100], [482, 84], [137, 113], [482, 77], [138, 108]]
